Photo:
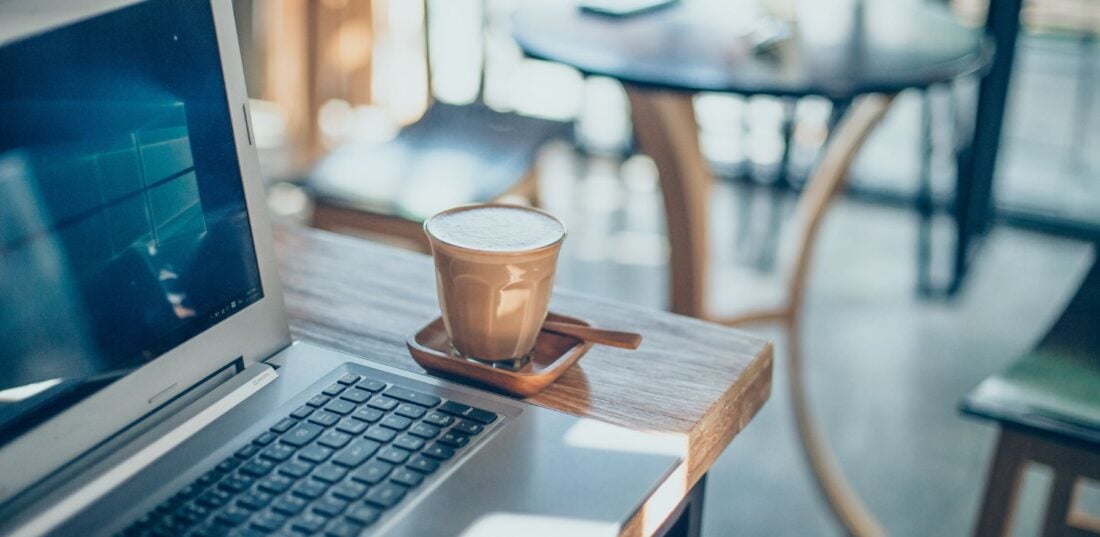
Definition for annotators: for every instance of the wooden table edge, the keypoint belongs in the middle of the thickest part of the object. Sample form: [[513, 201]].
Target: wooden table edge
[[753, 387]]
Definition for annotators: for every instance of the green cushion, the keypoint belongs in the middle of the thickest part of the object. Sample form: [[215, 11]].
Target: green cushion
[[1056, 393]]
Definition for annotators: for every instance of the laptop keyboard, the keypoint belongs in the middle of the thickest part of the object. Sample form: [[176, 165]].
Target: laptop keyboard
[[333, 467]]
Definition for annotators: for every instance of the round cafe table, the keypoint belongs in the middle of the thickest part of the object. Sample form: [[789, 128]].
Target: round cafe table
[[851, 52], [839, 50]]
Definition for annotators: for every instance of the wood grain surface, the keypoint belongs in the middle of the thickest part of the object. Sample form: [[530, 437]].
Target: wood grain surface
[[689, 378]]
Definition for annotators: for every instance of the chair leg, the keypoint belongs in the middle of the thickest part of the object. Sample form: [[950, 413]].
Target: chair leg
[[1059, 503], [1002, 485]]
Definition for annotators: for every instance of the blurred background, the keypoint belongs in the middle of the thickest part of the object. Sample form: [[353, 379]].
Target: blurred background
[[371, 115]]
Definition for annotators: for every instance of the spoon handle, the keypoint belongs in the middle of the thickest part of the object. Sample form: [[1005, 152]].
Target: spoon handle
[[613, 338]]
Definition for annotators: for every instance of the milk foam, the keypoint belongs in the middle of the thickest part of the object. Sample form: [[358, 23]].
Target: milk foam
[[496, 229]]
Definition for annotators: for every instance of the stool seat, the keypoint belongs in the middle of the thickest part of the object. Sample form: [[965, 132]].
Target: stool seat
[[1046, 392]]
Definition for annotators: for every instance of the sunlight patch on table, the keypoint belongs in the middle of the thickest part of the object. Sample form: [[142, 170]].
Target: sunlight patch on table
[[496, 524]]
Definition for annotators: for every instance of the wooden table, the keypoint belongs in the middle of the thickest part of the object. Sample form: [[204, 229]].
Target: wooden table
[[840, 50], [693, 380]]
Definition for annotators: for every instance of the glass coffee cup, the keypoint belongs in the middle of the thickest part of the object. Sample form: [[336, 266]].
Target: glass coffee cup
[[495, 266]]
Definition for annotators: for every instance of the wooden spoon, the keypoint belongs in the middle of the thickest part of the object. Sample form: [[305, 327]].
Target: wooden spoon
[[613, 338]]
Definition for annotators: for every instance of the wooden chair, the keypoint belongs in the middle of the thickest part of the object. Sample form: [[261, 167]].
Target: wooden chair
[[1048, 407], [825, 184], [454, 155]]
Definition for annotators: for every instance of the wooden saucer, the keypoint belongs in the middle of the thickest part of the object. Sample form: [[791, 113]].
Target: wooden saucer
[[553, 355]]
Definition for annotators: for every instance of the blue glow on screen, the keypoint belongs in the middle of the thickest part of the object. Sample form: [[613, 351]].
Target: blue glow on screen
[[123, 225]]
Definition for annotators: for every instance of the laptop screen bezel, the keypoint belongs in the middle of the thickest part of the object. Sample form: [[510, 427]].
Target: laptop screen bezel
[[254, 333]]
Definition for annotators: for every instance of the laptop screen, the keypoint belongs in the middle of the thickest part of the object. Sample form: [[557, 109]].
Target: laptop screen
[[123, 225]]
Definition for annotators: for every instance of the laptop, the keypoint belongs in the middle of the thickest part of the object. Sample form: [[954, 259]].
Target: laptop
[[148, 381]]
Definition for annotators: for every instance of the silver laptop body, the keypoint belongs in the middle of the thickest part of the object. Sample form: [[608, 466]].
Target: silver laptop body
[[143, 335]]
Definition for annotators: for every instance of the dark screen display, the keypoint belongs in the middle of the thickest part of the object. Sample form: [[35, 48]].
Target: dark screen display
[[123, 225]]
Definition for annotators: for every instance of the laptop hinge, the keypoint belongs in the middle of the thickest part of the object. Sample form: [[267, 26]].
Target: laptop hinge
[[244, 385]]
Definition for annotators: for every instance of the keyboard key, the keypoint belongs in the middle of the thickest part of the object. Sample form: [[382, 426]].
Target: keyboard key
[[302, 412], [363, 514], [267, 521], [407, 477], [247, 451], [373, 472], [190, 491], [258, 467], [372, 385], [295, 469], [278, 452], [439, 451], [396, 422], [383, 403], [334, 390], [195, 512], [379, 433], [355, 454], [275, 484], [468, 427], [324, 419], [386, 495], [255, 501], [392, 454], [310, 489], [266, 438], [341, 407], [412, 396], [342, 528], [318, 401], [410, 411], [352, 427], [301, 435], [454, 408], [233, 516], [330, 506], [349, 379], [289, 505], [408, 442], [423, 430], [236, 483], [283, 426], [330, 473], [355, 395], [438, 419], [316, 454], [228, 465], [454, 439], [247, 532], [334, 439], [349, 490], [309, 523], [483, 417], [370, 415], [423, 464], [214, 498]]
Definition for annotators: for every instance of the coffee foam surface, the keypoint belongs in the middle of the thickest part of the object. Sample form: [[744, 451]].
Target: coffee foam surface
[[496, 229]]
